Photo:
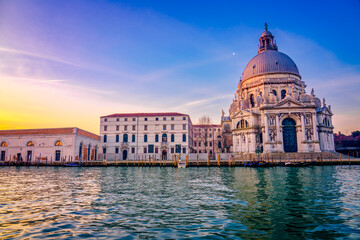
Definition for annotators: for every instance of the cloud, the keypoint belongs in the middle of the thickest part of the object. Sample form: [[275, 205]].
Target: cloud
[[201, 102], [20, 52]]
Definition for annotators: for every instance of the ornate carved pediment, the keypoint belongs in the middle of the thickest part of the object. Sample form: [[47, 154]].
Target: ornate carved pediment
[[288, 103], [242, 113]]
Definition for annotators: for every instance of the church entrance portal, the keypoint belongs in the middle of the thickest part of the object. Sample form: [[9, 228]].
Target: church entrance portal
[[125, 154], [164, 155], [289, 135]]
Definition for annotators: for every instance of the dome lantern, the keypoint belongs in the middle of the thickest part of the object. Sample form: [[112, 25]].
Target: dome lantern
[[267, 41]]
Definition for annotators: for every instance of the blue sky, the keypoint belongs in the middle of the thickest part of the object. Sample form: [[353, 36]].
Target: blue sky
[[65, 63]]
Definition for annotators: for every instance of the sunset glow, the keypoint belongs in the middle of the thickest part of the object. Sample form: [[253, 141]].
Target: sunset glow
[[65, 65]]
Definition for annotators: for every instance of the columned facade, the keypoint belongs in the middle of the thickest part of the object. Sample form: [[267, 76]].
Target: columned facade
[[271, 112]]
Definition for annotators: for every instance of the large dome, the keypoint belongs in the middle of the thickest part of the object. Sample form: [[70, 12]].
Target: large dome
[[269, 60]]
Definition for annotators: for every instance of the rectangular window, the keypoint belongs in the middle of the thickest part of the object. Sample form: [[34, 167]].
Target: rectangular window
[[164, 118], [145, 119], [105, 138], [178, 148], [145, 150], [172, 150], [209, 134], [164, 127], [156, 150], [125, 119], [134, 119], [132, 150], [117, 138], [184, 126], [104, 150], [125, 127], [117, 119], [133, 127], [145, 127], [117, 128], [184, 118], [151, 148], [195, 144], [184, 150], [172, 118], [116, 150], [105, 128], [172, 127], [210, 144], [199, 144]]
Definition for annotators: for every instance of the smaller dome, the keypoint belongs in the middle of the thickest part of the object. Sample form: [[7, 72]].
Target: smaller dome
[[266, 33]]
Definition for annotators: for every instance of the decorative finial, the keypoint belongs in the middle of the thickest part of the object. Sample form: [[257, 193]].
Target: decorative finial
[[266, 26]]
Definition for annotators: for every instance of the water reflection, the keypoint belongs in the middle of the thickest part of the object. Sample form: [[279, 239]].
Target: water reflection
[[243, 203]]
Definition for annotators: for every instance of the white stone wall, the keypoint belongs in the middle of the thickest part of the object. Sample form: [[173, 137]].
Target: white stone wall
[[112, 126], [44, 146]]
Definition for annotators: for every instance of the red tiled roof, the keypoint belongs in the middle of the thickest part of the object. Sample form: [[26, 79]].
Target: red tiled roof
[[48, 131], [165, 114]]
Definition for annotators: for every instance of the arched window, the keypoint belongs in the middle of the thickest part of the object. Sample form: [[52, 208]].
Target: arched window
[[164, 137], [184, 138], [283, 94], [246, 124], [125, 138], [172, 138], [145, 138], [157, 138], [30, 144], [80, 149], [252, 101], [4, 144], [133, 138], [88, 153], [117, 138], [95, 152], [58, 143], [219, 144], [238, 124], [274, 92]]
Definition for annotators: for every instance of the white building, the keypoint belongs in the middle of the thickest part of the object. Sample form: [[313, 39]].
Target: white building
[[136, 135], [53, 144], [271, 111]]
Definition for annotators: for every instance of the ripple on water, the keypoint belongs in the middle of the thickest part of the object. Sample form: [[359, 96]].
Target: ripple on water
[[196, 203]]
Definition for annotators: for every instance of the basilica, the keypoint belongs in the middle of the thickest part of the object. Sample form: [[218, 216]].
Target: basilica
[[271, 111]]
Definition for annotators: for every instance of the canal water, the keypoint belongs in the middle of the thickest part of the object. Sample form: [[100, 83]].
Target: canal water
[[169, 203]]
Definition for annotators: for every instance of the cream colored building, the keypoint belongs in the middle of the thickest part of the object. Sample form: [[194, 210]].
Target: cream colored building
[[52, 144], [208, 139], [136, 135], [272, 112]]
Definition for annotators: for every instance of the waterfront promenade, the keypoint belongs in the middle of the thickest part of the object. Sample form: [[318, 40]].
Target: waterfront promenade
[[193, 160]]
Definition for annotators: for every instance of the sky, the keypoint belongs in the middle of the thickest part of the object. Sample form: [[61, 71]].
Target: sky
[[66, 63]]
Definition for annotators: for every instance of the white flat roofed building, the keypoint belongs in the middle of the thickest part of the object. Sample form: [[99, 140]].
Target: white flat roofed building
[[136, 135], [52, 144]]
